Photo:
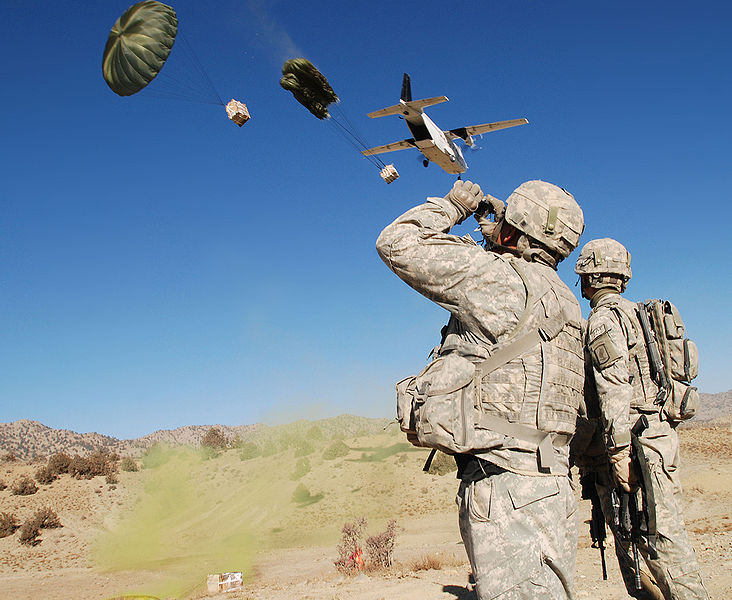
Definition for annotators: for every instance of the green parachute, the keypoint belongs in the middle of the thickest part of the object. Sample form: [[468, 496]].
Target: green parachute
[[138, 46], [308, 85]]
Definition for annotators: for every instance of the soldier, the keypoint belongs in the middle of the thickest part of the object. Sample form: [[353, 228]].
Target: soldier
[[620, 382], [516, 506]]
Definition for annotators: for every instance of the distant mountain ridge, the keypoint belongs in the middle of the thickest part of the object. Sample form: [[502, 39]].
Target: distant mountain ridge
[[28, 440]]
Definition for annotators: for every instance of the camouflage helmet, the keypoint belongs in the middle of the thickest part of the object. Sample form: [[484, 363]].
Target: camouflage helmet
[[548, 214], [604, 256]]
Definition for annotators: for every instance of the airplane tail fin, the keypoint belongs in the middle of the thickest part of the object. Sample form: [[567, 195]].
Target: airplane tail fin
[[406, 88]]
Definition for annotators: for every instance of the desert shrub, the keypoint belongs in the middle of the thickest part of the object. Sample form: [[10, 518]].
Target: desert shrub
[[270, 448], [249, 450], [24, 487], [155, 456], [111, 478], [303, 448], [442, 464], [3, 485], [99, 462], [214, 438], [44, 475], [209, 453], [335, 450], [426, 562], [236, 442], [302, 496], [380, 547], [128, 464], [8, 524], [59, 463], [302, 467], [315, 433], [29, 532], [46, 518], [9, 457], [349, 550]]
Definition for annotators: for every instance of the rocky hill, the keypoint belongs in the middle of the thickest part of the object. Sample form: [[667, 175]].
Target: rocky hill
[[29, 440], [715, 406]]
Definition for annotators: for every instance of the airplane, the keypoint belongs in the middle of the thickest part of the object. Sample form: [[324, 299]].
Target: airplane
[[436, 145]]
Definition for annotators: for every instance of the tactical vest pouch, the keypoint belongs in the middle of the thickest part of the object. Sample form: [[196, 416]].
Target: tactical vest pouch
[[683, 402]]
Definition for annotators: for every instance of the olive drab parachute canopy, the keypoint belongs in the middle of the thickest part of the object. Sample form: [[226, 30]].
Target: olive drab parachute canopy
[[138, 46], [308, 85]]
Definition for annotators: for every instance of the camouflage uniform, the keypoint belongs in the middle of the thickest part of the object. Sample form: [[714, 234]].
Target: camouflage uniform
[[625, 390], [518, 522]]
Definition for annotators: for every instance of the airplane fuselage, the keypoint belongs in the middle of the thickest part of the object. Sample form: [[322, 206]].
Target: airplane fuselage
[[432, 142]]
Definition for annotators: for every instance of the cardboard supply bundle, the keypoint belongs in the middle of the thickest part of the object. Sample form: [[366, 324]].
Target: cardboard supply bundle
[[224, 582], [237, 112]]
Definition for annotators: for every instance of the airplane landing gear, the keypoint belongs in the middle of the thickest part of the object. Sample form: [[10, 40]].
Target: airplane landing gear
[[426, 163]]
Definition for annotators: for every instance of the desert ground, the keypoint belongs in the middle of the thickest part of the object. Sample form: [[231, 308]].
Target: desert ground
[[160, 530]]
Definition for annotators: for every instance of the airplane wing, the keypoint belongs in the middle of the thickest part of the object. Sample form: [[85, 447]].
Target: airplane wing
[[464, 132], [404, 144], [398, 109]]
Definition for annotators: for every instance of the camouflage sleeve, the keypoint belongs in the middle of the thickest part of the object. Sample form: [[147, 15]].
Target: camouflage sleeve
[[480, 288], [608, 349]]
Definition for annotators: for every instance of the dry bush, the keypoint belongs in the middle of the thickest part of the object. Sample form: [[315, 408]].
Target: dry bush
[[380, 547], [111, 478], [100, 462], [29, 532], [44, 475], [3, 485], [249, 450], [214, 438], [336, 450], [46, 518], [350, 546], [302, 496], [59, 463], [9, 457], [302, 468], [24, 487], [426, 562], [128, 464], [8, 524]]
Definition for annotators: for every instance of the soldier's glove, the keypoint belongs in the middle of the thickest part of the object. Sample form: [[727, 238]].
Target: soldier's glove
[[623, 472], [465, 196]]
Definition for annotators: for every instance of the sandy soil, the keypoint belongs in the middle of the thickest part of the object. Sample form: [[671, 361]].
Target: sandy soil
[[60, 567]]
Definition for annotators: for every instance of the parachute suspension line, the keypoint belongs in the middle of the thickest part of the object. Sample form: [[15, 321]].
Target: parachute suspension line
[[350, 134], [183, 78], [201, 70], [351, 139], [352, 131]]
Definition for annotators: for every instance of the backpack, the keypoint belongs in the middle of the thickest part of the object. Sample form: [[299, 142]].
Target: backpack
[[674, 358]]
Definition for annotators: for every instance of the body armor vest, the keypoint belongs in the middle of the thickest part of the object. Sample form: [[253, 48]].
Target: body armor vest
[[541, 388]]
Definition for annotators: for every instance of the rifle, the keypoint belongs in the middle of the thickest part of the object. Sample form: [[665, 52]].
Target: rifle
[[597, 520], [658, 371], [634, 513]]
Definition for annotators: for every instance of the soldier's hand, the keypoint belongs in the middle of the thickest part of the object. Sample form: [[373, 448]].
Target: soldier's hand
[[466, 196], [623, 472]]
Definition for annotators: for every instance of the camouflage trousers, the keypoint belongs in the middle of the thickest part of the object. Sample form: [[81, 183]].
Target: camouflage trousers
[[520, 534], [676, 571]]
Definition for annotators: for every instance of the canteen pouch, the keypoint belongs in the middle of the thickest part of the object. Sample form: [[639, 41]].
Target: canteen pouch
[[436, 408], [682, 403]]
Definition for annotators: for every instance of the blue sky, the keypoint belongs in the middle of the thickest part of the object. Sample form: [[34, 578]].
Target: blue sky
[[160, 266]]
